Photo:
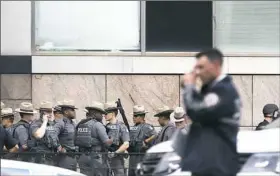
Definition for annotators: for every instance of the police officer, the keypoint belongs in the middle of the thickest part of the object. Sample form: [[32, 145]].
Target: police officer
[[57, 112], [141, 136], [7, 115], [91, 138], [119, 133], [21, 129], [215, 113], [168, 128], [7, 119], [64, 130], [270, 112], [7, 142], [180, 118], [41, 132]]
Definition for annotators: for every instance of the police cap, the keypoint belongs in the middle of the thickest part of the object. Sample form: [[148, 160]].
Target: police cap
[[269, 109]]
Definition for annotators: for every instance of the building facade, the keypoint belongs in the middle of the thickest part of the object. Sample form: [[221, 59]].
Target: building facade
[[49, 52]]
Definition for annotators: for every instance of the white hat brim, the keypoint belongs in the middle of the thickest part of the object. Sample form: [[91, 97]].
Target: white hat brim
[[25, 112], [179, 120]]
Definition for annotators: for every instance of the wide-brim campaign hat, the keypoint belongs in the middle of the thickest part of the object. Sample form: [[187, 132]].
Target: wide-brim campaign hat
[[2, 105], [26, 108], [46, 105], [163, 111], [57, 108], [95, 106], [6, 112], [139, 110], [67, 104], [178, 114], [110, 106]]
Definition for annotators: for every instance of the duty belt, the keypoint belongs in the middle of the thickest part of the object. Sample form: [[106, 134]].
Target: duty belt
[[91, 149]]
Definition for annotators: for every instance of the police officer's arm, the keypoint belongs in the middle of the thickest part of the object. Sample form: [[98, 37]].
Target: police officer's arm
[[21, 134], [209, 108], [103, 136], [10, 143], [260, 126], [150, 133], [124, 134], [58, 128], [37, 130]]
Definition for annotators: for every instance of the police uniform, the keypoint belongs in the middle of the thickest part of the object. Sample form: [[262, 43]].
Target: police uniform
[[6, 140], [91, 138], [138, 134], [21, 130], [167, 131], [211, 143], [120, 134], [8, 113], [45, 147], [179, 116], [64, 131], [269, 110]]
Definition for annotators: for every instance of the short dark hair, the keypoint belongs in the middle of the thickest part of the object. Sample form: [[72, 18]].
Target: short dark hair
[[212, 54]]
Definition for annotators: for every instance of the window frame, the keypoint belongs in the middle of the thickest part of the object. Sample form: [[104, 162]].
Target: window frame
[[142, 51]]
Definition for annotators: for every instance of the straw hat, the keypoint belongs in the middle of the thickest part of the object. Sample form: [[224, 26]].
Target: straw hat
[[5, 112], [2, 105], [95, 106], [110, 106], [138, 110], [46, 105], [163, 111], [67, 104], [178, 114], [26, 108]]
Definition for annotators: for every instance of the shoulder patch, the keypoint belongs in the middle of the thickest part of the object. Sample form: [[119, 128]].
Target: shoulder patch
[[149, 126], [211, 99]]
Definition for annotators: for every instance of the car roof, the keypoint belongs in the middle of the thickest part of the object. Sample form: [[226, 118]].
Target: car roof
[[36, 169]]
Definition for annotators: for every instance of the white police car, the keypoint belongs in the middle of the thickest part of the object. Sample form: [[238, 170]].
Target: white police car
[[259, 154], [19, 168]]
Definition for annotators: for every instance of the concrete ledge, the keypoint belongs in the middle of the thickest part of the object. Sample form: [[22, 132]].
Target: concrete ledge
[[147, 65]]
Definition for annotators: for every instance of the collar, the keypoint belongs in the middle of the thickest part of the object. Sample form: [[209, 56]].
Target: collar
[[24, 121], [67, 119], [219, 79]]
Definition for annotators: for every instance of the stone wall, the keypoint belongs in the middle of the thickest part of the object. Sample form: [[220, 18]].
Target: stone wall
[[149, 90]]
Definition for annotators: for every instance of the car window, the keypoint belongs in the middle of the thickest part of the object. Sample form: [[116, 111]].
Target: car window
[[274, 124], [6, 171]]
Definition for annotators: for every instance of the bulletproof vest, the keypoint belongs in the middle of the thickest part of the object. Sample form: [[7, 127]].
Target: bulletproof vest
[[30, 142], [84, 134], [137, 133], [113, 131], [14, 127], [134, 132], [50, 132], [66, 137]]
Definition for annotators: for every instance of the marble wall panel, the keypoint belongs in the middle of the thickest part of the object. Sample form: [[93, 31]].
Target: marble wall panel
[[151, 91], [15, 86], [266, 90], [244, 87], [83, 89]]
